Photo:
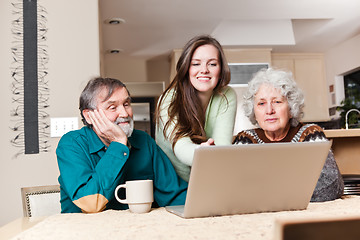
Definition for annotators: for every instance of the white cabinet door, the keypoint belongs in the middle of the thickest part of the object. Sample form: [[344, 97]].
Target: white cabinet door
[[308, 71]]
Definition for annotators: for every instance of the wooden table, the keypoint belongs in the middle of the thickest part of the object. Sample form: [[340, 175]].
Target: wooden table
[[19, 225], [159, 224]]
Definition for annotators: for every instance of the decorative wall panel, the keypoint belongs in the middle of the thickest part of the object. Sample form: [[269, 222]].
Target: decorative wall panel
[[29, 72]]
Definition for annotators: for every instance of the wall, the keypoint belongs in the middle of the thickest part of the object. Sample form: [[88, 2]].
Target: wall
[[135, 70], [158, 69], [73, 46], [339, 60], [126, 69]]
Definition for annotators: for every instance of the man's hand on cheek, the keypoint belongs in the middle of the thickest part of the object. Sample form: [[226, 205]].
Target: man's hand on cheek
[[106, 129]]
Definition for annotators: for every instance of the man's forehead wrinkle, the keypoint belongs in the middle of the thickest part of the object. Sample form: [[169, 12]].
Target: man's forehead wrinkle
[[103, 98]]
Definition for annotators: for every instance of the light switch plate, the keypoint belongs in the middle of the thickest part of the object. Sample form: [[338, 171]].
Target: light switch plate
[[60, 126]]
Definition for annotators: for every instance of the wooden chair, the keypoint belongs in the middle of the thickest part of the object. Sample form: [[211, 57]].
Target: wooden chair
[[41, 200]]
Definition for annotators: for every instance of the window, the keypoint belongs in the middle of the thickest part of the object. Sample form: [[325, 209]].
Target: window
[[352, 88]]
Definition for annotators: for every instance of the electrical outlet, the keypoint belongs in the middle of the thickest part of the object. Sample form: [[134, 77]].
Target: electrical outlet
[[60, 126]]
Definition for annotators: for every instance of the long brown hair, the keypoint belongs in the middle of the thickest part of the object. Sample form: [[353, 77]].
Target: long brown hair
[[185, 104]]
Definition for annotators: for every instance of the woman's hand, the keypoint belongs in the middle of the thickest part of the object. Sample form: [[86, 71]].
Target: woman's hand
[[209, 142]]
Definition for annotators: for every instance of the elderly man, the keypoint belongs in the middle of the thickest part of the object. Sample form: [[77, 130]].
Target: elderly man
[[108, 152]]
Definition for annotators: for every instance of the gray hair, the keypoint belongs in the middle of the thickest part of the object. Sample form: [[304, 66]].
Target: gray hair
[[94, 86], [281, 80]]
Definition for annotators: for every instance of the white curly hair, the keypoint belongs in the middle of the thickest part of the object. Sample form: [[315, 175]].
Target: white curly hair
[[281, 80]]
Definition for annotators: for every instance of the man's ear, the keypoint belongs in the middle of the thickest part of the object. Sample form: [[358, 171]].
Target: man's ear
[[85, 112]]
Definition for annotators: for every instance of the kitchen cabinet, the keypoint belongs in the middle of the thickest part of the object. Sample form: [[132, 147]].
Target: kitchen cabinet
[[309, 73], [346, 148]]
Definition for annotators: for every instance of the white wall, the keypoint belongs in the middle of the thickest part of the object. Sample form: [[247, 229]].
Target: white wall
[[340, 60], [241, 121], [73, 46]]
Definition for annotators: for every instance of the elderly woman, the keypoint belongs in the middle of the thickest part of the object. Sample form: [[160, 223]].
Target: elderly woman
[[274, 102]]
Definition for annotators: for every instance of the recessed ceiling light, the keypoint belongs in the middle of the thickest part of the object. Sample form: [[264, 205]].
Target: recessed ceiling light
[[114, 51], [115, 21]]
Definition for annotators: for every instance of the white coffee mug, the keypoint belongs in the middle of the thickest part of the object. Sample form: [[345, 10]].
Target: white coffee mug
[[139, 195]]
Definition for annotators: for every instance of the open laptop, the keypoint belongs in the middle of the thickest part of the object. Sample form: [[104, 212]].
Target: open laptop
[[252, 178]]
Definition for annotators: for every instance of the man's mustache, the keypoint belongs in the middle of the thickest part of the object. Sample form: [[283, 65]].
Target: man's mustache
[[121, 120]]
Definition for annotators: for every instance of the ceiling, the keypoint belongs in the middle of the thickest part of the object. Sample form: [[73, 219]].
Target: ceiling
[[155, 27]]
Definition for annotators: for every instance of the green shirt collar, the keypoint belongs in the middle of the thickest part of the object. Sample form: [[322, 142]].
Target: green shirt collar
[[95, 143]]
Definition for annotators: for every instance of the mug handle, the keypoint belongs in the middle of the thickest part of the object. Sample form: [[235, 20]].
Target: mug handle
[[116, 195]]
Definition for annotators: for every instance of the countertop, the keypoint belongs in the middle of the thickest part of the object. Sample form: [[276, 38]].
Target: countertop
[[337, 133]]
